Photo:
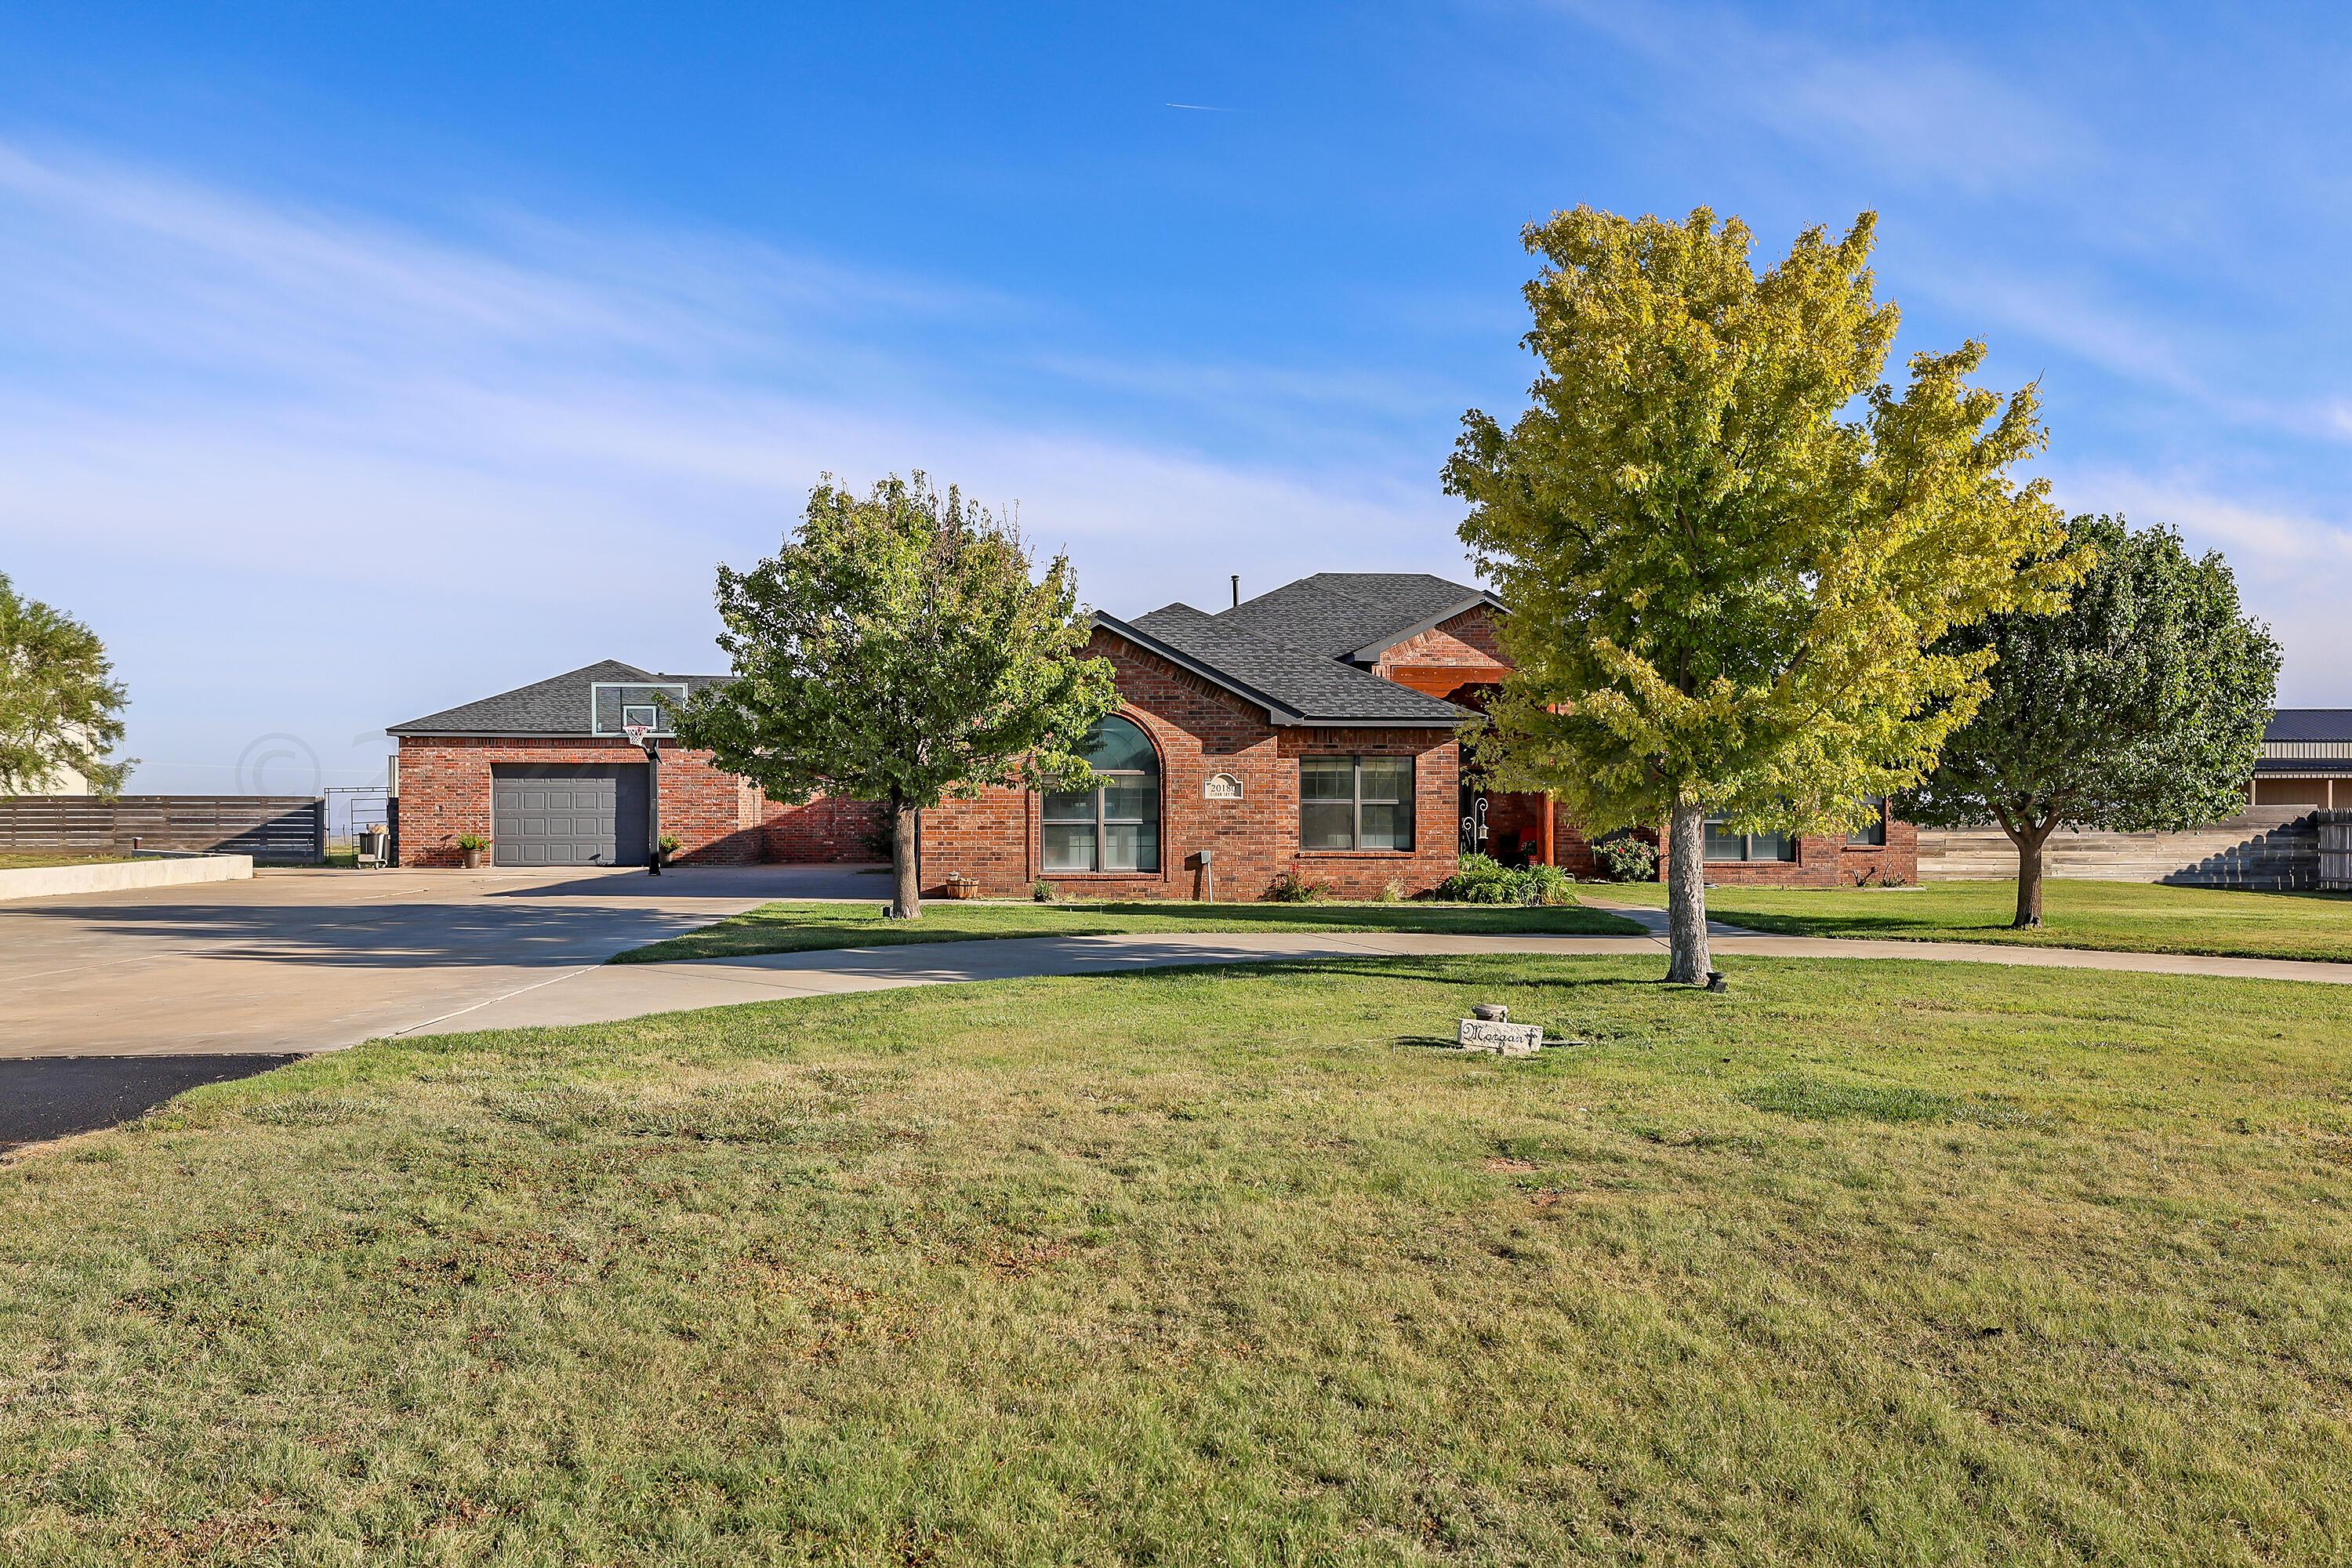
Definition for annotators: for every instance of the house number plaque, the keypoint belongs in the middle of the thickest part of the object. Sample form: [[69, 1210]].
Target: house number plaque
[[1222, 786]]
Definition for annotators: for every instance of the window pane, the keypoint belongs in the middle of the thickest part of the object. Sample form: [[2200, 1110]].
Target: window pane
[[1388, 826], [1069, 846], [1070, 806], [1387, 778], [1130, 799], [1131, 849], [1327, 778], [1327, 826], [1771, 846], [1874, 831], [1723, 845], [1118, 745]]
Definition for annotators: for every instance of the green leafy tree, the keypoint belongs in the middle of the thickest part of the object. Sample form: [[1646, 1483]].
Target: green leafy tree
[[2140, 707], [898, 648], [1729, 547], [60, 707]]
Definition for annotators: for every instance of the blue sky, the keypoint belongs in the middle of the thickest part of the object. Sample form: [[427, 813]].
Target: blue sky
[[358, 360]]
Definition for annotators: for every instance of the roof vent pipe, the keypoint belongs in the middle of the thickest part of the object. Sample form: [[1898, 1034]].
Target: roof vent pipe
[[1237, 590]]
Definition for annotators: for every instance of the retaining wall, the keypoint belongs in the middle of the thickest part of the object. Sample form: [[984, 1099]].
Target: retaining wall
[[112, 876]]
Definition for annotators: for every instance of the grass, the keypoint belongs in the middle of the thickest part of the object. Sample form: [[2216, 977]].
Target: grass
[[33, 859], [2124, 917], [797, 927], [1859, 1263]]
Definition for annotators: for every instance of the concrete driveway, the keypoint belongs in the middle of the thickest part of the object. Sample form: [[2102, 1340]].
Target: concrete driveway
[[312, 961]]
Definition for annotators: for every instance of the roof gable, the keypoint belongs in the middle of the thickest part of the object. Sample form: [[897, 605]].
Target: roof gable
[[1293, 685], [1355, 615]]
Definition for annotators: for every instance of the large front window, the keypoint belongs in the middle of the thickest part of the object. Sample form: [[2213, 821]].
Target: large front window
[[1723, 845], [1116, 828], [1355, 803]]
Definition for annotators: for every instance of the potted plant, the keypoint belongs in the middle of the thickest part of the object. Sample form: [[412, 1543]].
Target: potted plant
[[471, 848], [962, 887], [668, 846]]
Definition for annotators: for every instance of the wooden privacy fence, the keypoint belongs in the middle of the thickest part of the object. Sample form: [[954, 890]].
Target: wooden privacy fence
[[2336, 852], [268, 828], [2267, 848]]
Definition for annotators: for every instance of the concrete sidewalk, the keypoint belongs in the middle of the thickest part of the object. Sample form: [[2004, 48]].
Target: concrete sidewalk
[[610, 991]]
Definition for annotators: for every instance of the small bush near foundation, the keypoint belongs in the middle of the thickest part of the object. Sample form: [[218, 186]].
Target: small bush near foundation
[[1482, 879], [1043, 891], [1626, 859], [1291, 888], [1392, 891]]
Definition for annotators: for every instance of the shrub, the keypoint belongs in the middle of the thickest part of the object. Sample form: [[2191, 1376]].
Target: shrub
[[1626, 859], [472, 841], [1392, 891], [1043, 891], [1291, 888], [1482, 879]]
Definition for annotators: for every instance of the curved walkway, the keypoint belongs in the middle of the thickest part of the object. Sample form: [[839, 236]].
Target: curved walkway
[[610, 991]]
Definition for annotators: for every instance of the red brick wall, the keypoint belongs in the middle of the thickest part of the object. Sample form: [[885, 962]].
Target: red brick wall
[[1824, 860], [445, 790], [1200, 730], [826, 829]]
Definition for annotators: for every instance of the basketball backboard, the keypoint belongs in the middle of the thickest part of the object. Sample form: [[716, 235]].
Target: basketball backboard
[[617, 708]]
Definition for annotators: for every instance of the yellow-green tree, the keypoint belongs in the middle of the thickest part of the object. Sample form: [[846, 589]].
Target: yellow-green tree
[[1729, 547]]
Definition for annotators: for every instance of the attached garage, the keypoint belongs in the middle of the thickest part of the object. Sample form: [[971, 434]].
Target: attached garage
[[568, 814], [549, 774]]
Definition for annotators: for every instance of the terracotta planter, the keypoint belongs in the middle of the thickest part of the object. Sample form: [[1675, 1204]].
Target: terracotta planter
[[472, 858]]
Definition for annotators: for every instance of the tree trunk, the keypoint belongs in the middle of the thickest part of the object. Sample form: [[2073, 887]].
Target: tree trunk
[[2029, 840], [907, 900], [1688, 963]]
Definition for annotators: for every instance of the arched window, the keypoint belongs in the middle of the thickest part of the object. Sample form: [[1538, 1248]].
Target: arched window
[[1116, 828]]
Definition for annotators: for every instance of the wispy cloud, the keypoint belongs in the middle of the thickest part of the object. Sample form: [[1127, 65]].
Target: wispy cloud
[[1908, 110], [435, 463], [2291, 560]]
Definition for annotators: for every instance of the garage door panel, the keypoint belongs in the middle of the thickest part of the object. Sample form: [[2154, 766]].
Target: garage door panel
[[568, 814]]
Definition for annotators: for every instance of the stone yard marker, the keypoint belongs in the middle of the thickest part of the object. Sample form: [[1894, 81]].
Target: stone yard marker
[[1503, 1040]]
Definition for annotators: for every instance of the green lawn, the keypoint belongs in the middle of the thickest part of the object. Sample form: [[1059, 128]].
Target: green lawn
[[1858, 1263], [2128, 917], [795, 927], [30, 860]]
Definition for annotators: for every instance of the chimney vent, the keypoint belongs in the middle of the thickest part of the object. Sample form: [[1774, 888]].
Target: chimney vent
[[1237, 590]]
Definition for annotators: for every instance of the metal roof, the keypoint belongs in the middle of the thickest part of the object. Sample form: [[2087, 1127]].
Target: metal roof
[[2309, 724]]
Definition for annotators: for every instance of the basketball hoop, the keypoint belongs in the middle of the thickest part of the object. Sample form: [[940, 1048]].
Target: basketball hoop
[[637, 733]]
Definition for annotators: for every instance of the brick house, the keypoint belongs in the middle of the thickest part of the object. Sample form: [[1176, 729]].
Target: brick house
[[548, 773], [1308, 731]]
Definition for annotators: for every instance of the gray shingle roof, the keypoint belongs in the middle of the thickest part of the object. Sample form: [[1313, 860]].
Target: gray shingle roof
[[1338, 613], [556, 705], [1286, 650], [1292, 683]]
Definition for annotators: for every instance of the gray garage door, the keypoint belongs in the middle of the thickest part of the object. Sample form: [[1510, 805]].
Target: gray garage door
[[550, 813]]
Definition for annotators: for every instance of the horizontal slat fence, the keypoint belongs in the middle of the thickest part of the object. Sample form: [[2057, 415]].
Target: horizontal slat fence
[[281, 828], [2267, 848], [2336, 852]]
